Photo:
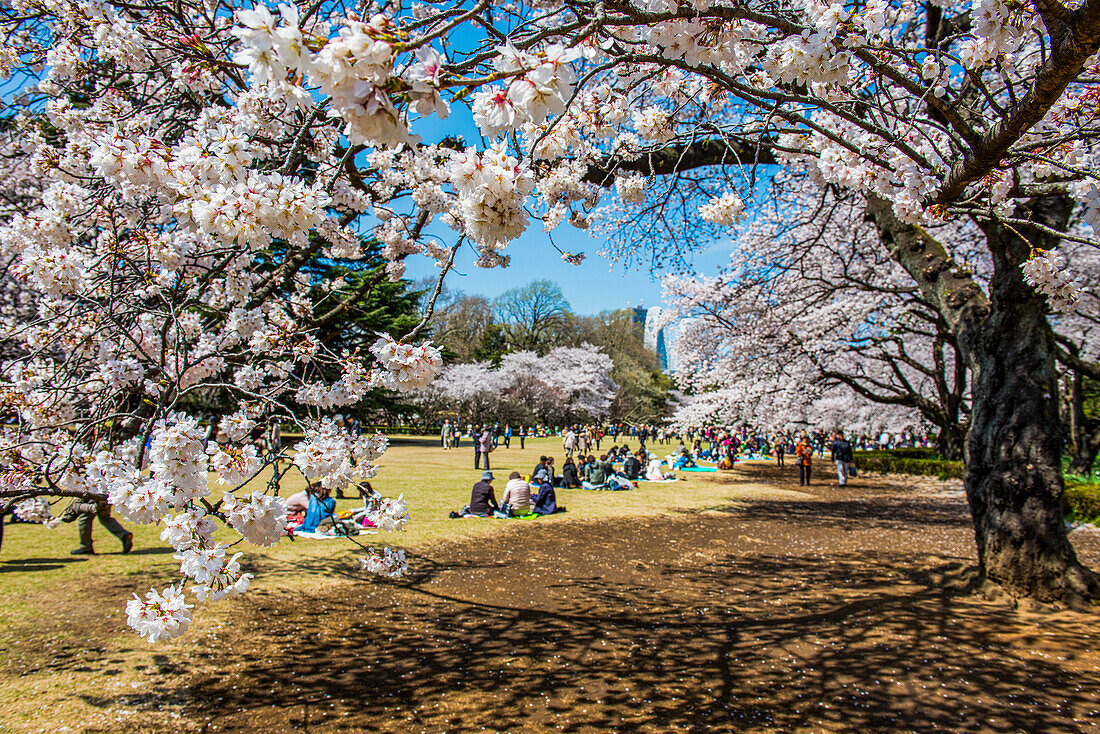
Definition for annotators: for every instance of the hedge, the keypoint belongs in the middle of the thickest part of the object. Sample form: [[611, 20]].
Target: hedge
[[919, 462], [1081, 501], [913, 453]]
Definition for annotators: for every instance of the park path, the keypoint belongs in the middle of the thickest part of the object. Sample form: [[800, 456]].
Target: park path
[[838, 610]]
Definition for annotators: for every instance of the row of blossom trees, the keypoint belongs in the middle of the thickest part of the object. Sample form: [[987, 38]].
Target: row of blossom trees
[[836, 333], [187, 160], [812, 323], [566, 385]]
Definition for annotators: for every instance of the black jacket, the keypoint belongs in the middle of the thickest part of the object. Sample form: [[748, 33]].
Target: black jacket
[[842, 450], [482, 499], [569, 475], [632, 468]]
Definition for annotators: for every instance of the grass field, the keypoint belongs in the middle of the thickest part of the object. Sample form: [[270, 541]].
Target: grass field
[[55, 605]]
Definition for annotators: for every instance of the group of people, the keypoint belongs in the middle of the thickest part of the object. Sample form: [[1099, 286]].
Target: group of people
[[523, 496], [584, 437], [533, 493], [724, 447]]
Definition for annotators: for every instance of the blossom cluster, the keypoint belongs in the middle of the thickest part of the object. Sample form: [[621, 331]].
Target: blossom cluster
[[385, 562], [161, 615], [390, 514], [336, 457], [726, 209], [34, 509], [407, 367], [492, 188], [540, 85], [260, 519], [1046, 275]]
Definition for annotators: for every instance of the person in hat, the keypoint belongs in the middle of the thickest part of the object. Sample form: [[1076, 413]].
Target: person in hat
[[483, 501], [546, 503]]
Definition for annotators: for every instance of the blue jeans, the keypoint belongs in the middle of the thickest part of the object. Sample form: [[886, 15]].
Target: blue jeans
[[843, 468]]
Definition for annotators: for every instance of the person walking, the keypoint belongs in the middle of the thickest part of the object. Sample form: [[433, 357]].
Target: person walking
[[445, 435], [841, 450], [804, 451], [522, 436], [569, 442], [84, 512], [780, 448], [508, 435]]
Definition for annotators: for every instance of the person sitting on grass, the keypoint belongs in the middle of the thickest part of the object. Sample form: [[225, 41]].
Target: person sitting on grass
[[601, 471], [296, 506], [586, 467], [483, 501], [684, 460], [539, 466], [632, 467], [546, 503], [654, 473], [569, 477], [517, 493], [320, 506], [554, 479]]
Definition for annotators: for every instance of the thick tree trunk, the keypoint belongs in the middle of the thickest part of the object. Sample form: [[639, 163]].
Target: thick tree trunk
[[1015, 438], [1014, 446], [951, 443]]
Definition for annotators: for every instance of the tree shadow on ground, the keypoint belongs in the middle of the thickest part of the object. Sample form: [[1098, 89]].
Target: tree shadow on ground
[[30, 565], [866, 641], [884, 512]]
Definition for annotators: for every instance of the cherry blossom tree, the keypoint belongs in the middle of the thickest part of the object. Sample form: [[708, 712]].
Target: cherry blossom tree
[[564, 385], [812, 300], [165, 246]]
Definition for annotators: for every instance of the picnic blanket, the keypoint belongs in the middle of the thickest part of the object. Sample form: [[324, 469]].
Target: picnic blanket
[[659, 481], [699, 468], [606, 487], [329, 536]]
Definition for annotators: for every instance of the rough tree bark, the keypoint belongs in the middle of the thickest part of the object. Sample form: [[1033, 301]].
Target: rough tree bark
[[1015, 437], [951, 442], [1014, 448]]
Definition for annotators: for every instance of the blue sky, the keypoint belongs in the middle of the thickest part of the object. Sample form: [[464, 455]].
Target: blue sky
[[593, 286]]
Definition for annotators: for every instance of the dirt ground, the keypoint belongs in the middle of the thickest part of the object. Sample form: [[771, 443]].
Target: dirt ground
[[841, 610]]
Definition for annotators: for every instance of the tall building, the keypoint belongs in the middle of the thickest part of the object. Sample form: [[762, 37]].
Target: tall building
[[656, 337]]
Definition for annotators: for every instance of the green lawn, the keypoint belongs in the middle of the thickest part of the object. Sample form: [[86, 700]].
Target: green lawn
[[35, 559]]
